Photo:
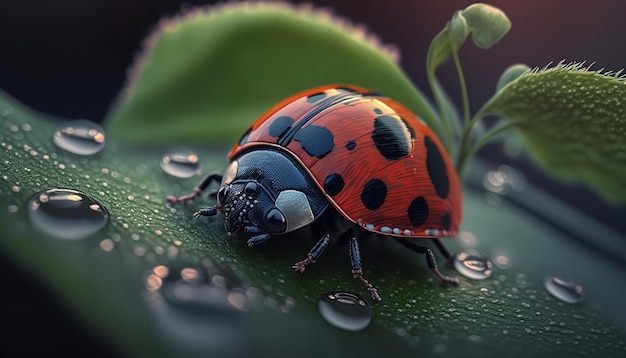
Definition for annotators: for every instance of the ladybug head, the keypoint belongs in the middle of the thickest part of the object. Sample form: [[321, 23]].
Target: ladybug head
[[263, 193], [249, 207]]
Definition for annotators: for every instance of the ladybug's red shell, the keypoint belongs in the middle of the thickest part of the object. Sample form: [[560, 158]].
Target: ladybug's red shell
[[375, 161]]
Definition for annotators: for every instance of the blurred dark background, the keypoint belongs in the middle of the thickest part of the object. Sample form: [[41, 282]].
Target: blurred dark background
[[69, 58]]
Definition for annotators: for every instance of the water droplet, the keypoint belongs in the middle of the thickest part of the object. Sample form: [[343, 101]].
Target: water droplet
[[345, 310], [66, 214], [81, 137], [107, 245], [473, 264], [565, 291], [181, 163], [195, 314], [193, 287], [502, 180]]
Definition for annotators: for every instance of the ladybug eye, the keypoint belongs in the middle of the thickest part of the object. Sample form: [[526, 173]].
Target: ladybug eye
[[251, 189], [276, 222], [222, 194]]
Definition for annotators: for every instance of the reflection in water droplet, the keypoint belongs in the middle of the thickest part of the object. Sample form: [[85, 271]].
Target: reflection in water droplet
[[345, 310], [81, 137], [67, 214], [565, 291], [473, 264], [181, 163]]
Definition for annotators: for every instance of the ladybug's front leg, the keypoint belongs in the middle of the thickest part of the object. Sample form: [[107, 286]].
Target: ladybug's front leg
[[204, 183], [357, 272], [313, 255], [258, 235]]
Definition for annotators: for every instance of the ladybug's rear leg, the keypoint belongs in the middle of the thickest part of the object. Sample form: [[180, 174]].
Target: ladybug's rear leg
[[444, 251], [357, 272], [204, 183], [430, 259]]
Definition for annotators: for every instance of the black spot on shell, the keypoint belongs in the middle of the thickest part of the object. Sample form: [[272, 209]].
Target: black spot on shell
[[418, 211], [244, 137], [446, 221], [333, 184], [280, 126], [437, 169], [315, 97], [393, 137], [351, 145], [315, 140], [378, 111], [374, 194]]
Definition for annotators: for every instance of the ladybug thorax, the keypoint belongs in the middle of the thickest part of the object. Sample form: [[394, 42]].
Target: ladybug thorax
[[264, 191]]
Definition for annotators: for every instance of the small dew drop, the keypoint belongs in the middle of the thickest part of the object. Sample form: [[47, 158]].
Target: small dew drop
[[345, 310], [67, 214], [503, 180], [473, 264], [181, 163], [563, 290], [107, 245], [80, 137]]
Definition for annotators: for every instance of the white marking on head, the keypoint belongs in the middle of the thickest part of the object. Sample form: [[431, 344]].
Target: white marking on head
[[296, 207]]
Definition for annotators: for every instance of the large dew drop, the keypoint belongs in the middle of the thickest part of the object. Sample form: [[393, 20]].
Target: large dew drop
[[181, 163], [345, 310], [81, 137], [473, 264], [66, 214], [198, 311], [565, 291]]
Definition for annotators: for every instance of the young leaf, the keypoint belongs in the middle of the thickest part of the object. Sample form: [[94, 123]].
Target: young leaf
[[487, 25], [205, 76], [574, 123]]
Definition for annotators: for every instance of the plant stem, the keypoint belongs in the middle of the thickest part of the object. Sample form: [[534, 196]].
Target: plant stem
[[464, 154], [435, 88], [464, 95]]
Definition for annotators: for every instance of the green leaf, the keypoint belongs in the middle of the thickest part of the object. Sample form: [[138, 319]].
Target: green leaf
[[105, 280], [205, 76], [511, 74], [486, 23], [574, 123]]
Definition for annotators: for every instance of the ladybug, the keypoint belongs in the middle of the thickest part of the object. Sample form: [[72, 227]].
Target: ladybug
[[344, 163]]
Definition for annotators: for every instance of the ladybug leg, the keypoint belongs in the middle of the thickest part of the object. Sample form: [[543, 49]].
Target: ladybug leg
[[204, 183], [258, 235], [357, 272], [443, 250], [210, 211], [313, 255], [430, 259]]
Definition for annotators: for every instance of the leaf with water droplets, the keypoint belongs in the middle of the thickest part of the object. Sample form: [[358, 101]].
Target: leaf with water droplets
[[153, 281], [574, 123]]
